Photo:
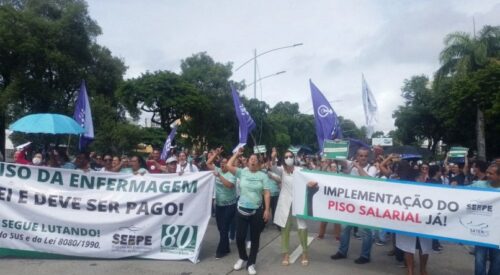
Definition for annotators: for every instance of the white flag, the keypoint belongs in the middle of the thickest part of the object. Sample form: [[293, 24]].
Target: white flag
[[370, 106]]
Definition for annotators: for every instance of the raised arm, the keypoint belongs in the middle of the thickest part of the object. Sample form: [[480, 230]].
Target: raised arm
[[210, 161], [274, 155], [445, 163], [230, 164], [384, 166], [466, 170]]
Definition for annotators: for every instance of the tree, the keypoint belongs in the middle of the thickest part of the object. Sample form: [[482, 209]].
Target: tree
[[164, 94], [464, 54], [216, 123], [46, 49], [378, 134], [417, 120], [350, 130]]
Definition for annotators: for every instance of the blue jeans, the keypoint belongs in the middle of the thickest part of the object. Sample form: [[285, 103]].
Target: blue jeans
[[224, 215], [482, 254], [380, 235], [366, 235]]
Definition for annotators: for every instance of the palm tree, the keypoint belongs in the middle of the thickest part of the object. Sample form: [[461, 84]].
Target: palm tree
[[463, 55]]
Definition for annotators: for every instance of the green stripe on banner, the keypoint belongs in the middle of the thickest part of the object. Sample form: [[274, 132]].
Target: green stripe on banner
[[27, 254], [16, 253]]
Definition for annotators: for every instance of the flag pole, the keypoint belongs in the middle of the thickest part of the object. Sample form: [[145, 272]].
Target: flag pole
[[67, 147]]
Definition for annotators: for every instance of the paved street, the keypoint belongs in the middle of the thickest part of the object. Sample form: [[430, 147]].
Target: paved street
[[454, 260]]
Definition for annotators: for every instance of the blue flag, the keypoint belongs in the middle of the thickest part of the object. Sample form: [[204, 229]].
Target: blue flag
[[245, 120], [168, 144], [325, 119], [83, 116]]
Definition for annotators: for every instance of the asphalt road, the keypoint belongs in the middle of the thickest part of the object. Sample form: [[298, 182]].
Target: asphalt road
[[455, 259]]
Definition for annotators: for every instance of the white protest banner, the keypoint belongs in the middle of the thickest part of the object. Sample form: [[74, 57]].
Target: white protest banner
[[103, 215], [460, 214]]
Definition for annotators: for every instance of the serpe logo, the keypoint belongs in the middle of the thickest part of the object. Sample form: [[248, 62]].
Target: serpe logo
[[129, 239], [480, 208], [179, 239]]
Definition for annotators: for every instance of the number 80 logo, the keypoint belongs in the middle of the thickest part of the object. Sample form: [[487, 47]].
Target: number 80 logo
[[178, 237]]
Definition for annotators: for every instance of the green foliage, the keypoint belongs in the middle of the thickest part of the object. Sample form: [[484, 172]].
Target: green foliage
[[46, 49], [418, 120], [466, 85], [378, 134], [215, 124], [164, 94]]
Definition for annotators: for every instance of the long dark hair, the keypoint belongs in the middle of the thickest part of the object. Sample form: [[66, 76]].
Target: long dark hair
[[406, 172]]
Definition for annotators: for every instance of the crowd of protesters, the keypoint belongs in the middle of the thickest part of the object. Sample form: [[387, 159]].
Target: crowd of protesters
[[255, 190]]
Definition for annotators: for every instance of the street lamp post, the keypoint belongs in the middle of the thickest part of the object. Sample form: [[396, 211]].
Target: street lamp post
[[255, 55], [264, 77]]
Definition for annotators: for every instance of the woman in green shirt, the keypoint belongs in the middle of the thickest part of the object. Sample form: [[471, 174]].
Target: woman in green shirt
[[253, 184], [225, 201]]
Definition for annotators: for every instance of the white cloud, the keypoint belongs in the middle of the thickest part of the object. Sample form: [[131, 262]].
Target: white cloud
[[388, 41]]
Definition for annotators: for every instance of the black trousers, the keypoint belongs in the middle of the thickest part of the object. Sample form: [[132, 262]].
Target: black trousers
[[255, 223], [224, 215]]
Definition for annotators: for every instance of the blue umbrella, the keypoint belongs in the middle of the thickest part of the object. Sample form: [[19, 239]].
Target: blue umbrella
[[47, 124]]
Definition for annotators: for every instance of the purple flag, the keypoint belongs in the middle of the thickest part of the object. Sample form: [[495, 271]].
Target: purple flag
[[168, 144], [83, 116], [246, 122], [326, 121]]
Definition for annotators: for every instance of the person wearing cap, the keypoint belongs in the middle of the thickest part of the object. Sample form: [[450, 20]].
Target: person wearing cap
[[171, 163], [225, 201]]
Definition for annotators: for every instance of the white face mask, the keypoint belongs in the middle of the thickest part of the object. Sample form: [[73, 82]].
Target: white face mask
[[37, 161], [289, 161]]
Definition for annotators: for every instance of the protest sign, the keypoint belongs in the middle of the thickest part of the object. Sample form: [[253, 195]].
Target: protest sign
[[259, 149], [458, 152], [103, 215], [336, 149], [466, 215], [294, 149]]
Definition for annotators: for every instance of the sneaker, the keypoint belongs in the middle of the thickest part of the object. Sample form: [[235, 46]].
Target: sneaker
[[251, 270], [401, 264], [357, 236], [239, 264], [362, 260], [338, 256], [380, 243], [219, 256], [249, 244]]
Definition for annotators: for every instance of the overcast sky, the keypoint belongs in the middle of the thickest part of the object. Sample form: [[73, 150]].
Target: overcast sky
[[388, 41]]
